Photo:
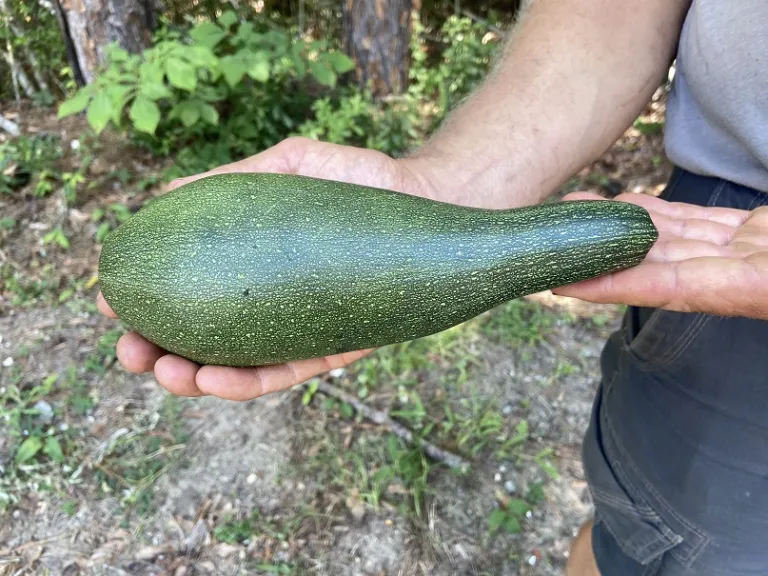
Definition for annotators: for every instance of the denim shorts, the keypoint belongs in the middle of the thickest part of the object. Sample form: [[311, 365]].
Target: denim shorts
[[676, 453]]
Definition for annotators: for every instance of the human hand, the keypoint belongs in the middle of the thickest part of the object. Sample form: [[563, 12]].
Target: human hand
[[293, 156], [711, 260]]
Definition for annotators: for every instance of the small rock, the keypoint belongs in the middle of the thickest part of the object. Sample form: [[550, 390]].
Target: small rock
[[150, 553], [180, 571], [224, 550], [75, 144], [8, 362], [510, 486], [507, 410], [45, 412], [532, 560], [502, 468], [16, 514], [497, 477], [251, 478], [336, 372]]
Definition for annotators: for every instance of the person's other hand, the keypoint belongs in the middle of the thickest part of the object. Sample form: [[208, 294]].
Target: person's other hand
[[711, 260], [293, 156]]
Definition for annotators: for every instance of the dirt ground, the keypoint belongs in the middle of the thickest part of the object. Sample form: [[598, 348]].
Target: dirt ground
[[296, 482]]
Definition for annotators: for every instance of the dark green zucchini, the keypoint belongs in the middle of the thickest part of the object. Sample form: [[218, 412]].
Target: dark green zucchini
[[252, 269]]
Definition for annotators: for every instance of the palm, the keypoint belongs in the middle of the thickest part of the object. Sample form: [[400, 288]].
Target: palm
[[712, 260], [295, 156]]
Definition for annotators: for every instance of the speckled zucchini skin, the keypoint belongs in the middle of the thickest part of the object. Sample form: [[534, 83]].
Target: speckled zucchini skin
[[253, 269]]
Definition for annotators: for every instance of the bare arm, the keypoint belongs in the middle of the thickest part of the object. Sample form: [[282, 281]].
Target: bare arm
[[573, 77]]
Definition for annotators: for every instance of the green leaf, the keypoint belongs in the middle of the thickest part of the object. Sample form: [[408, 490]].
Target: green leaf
[[117, 54], [119, 95], [154, 91], [66, 295], [309, 393], [233, 69], [297, 54], [207, 34], [496, 519], [210, 93], [28, 449], [259, 71], [322, 73], [181, 74], [145, 115], [340, 62], [99, 112], [199, 56], [228, 18], [209, 113], [518, 507], [151, 73], [189, 113], [512, 525], [245, 34], [76, 104], [102, 232], [346, 410], [53, 449]]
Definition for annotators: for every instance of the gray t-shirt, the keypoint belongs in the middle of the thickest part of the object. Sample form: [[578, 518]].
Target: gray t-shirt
[[717, 113]]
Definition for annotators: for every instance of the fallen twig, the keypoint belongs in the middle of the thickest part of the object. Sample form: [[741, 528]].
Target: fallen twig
[[383, 419]]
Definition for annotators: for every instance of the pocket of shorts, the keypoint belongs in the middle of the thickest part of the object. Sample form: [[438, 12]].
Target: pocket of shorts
[[660, 340], [620, 503]]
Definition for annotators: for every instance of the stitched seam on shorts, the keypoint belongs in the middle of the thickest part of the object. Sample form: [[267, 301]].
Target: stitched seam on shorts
[[652, 570], [675, 350], [688, 336], [621, 543], [642, 512], [758, 200], [716, 193], [668, 538], [705, 538]]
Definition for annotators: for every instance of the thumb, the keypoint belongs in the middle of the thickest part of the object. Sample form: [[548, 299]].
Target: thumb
[[283, 158]]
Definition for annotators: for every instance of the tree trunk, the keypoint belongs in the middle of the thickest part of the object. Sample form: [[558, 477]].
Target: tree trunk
[[377, 35], [89, 26]]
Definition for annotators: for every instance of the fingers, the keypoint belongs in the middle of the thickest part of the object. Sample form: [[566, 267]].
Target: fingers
[[177, 375], [693, 229], [283, 157], [136, 354], [722, 286], [103, 307], [248, 383], [680, 249]]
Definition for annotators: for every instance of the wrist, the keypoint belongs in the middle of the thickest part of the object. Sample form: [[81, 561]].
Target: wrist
[[479, 179]]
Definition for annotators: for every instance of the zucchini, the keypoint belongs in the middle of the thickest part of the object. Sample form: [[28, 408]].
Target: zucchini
[[253, 269]]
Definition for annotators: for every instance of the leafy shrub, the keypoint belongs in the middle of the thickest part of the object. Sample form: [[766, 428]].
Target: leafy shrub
[[464, 62], [391, 126], [230, 79]]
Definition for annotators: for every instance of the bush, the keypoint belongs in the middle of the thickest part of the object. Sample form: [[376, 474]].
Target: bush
[[391, 126], [241, 84], [468, 54], [230, 88]]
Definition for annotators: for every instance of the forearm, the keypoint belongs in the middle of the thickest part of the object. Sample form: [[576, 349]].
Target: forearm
[[573, 77]]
